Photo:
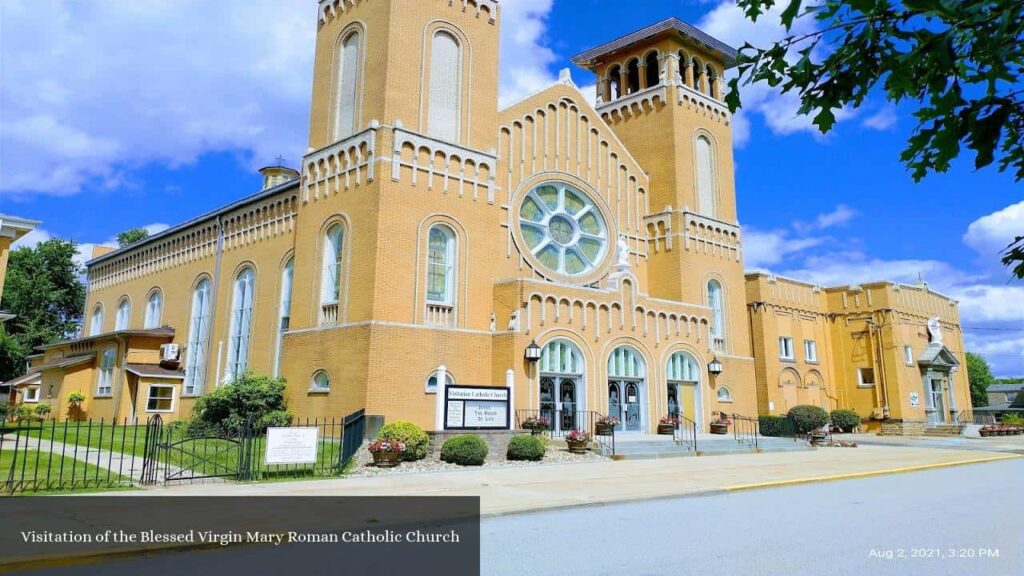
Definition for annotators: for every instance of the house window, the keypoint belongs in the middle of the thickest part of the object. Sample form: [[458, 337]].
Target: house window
[[445, 102], [810, 351], [154, 309], [785, 348], [124, 312], [283, 312], [31, 395], [724, 395], [321, 382], [1010, 396], [705, 177], [908, 355], [440, 265], [717, 313], [198, 337], [432, 382], [105, 381], [96, 322], [347, 90], [241, 324], [865, 377], [160, 398]]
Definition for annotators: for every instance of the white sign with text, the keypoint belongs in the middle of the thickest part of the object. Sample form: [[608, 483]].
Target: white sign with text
[[291, 445], [476, 408]]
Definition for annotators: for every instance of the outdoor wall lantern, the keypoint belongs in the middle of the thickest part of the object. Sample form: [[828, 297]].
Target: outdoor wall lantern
[[533, 352], [715, 367]]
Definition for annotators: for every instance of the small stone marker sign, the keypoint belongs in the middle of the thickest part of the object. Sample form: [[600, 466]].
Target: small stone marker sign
[[291, 445], [476, 408], [915, 399]]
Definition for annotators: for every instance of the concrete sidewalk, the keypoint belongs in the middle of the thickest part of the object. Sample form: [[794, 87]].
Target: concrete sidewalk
[[530, 488]]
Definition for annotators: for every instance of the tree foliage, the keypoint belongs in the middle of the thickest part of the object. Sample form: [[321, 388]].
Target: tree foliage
[[129, 237], [980, 377], [249, 398], [45, 293]]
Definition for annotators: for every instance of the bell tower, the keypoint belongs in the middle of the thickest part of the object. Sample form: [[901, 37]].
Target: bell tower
[[660, 89], [429, 66]]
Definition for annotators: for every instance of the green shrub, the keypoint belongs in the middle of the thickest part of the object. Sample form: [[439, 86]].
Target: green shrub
[[1012, 420], [76, 398], [5, 411], [415, 439], [226, 409], [846, 420], [41, 411], [772, 425], [526, 447], [23, 412], [464, 450], [806, 417]]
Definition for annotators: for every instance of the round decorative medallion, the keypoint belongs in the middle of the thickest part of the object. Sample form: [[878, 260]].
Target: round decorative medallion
[[563, 228]]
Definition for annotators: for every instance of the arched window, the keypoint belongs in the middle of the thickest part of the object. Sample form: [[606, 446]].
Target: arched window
[[283, 311], [653, 69], [105, 380], [561, 357], [712, 79], [154, 309], [96, 322], [615, 82], [432, 382], [706, 177], [684, 63], [715, 302], [321, 382], [241, 324], [626, 362], [627, 388], [445, 104], [198, 338], [124, 313], [441, 265], [633, 76], [682, 367], [724, 395], [347, 89], [330, 274]]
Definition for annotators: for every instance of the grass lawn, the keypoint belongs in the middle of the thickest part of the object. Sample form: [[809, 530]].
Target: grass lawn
[[32, 471]]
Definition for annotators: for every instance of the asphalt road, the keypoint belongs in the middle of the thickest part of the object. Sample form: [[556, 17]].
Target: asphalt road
[[960, 520]]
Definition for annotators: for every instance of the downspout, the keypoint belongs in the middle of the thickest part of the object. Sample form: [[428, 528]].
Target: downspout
[[121, 380], [213, 301], [883, 381]]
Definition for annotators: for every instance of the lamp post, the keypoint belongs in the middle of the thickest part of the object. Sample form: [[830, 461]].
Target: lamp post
[[533, 352]]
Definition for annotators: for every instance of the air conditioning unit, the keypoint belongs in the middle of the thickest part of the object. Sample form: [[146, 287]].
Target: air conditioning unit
[[170, 353]]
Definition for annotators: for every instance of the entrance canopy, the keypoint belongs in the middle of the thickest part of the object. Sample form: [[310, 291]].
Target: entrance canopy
[[937, 357]]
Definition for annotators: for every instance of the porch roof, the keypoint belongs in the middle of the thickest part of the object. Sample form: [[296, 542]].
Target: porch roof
[[154, 371]]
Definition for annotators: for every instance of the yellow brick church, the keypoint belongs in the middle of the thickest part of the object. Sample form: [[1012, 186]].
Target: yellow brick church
[[428, 228]]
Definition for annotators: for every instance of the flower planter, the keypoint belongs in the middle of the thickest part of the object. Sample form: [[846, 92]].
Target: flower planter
[[536, 431], [604, 429], [719, 428], [386, 459], [577, 447], [666, 429], [985, 433]]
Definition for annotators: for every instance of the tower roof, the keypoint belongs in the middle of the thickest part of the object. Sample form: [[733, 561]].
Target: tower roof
[[669, 27]]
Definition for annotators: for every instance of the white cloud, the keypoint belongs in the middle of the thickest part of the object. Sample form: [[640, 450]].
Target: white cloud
[[991, 234], [837, 217], [525, 59], [762, 249], [32, 239], [881, 120]]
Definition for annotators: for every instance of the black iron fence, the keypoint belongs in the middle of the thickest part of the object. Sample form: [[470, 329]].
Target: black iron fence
[[70, 456], [558, 423]]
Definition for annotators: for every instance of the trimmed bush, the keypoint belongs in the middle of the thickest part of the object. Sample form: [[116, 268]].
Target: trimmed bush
[[226, 409], [464, 450], [806, 417], [41, 411], [415, 439], [846, 420], [526, 447], [771, 425]]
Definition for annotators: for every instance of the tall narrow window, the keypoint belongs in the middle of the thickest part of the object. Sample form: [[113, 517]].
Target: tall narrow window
[[633, 76], [284, 311], [96, 322], [347, 89], [330, 275], [445, 103], [198, 338], [124, 313], [241, 324], [105, 381], [652, 69], [705, 177], [615, 82], [154, 309], [715, 302], [440, 265]]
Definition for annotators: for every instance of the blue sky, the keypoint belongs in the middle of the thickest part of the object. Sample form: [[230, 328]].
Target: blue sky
[[116, 114]]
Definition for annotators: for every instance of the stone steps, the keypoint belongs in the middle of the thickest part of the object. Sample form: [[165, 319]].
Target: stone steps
[[943, 430], [657, 449]]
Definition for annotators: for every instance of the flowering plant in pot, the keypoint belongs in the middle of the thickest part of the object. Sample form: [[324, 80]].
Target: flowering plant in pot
[[536, 424], [721, 425], [605, 425], [578, 441], [386, 452], [668, 424]]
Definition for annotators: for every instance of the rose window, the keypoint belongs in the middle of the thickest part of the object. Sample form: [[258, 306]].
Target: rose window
[[563, 228]]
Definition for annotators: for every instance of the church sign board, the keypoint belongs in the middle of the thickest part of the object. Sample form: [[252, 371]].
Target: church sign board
[[476, 408]]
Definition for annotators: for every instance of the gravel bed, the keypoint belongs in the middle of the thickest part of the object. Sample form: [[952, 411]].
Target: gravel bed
[[555, 455]]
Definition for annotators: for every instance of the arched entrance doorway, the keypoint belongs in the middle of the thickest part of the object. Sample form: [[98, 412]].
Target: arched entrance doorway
[[627, 388], [683, 382], [561, 384]]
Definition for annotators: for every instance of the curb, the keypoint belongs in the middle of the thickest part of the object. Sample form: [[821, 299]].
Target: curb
[[865, 474]]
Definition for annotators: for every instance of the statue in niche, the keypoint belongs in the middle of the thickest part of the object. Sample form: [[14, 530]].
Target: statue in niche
[[622, 254], [934, 330], [513, 321]]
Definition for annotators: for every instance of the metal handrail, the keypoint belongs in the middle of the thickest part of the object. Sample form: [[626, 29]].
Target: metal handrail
[[745, 430], [561, 422], [685, 432]]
